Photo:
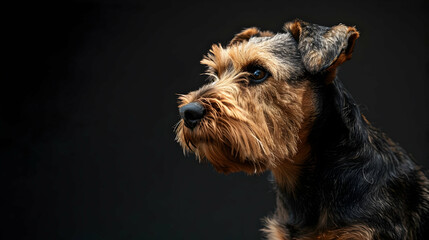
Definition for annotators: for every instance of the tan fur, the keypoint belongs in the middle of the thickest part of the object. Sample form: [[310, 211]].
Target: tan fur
[[276, 231], [287, 172], [294, 28], [249, 128], [246, 34], [356, 232]]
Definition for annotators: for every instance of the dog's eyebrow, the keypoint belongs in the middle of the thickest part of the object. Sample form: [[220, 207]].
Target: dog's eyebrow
[[254, 63], [216, 66]]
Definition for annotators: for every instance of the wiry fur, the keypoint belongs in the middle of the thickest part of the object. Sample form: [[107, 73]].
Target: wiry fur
[[242, 130], [336, 176]]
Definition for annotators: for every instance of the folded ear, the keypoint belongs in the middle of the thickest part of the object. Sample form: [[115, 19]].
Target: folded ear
[[323, 49], [246, 34]]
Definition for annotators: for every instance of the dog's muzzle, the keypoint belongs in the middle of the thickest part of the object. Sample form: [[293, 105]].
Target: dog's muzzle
[[192, 113]]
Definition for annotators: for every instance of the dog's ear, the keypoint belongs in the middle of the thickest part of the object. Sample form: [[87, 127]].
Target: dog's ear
[[323, 49], [246, 34]]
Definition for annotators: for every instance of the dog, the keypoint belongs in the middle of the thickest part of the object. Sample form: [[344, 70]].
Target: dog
[[274, 103]]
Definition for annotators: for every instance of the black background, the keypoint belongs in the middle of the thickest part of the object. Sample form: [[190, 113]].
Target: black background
[[88, 104]]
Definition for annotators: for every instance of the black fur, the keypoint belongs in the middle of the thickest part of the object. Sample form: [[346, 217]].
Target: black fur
[[356, 175]]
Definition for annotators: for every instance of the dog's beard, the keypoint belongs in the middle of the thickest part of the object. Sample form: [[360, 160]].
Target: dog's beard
[[229, 145]]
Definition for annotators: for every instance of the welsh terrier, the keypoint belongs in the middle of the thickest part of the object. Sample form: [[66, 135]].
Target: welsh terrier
[[274, 102]]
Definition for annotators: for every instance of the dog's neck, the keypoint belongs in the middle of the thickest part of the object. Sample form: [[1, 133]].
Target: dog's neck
[[288, 171], [292, 179], [298, 184]]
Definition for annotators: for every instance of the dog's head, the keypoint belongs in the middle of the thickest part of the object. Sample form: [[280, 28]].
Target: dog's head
[[258, 108]]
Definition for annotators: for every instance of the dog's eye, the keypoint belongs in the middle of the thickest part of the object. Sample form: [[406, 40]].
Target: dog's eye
[[258, 75]]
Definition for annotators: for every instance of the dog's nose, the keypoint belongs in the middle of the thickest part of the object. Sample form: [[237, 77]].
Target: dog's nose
[[192, 113]]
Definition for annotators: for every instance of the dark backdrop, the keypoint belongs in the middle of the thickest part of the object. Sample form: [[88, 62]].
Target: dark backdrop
[[88, 104]]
